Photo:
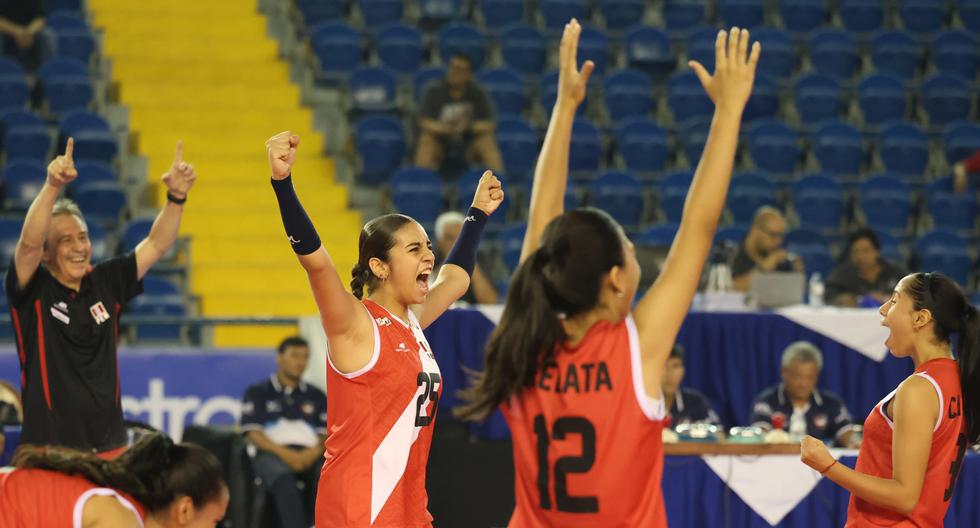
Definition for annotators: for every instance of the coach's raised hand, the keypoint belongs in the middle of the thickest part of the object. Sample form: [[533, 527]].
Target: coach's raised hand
[[572, 81], [181, 176], [282, 153], [731, 85], [61, 170]]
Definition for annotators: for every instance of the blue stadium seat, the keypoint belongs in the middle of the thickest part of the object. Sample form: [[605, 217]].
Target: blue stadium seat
[[733, 235], [465, 188], [643, 145], [672, 191], [648, 49], [886, 202], [621, 195], [895, 52], [9, 235], [317, 11], [594, 45], [620, 14], [557, 13], [764, 101], [774, 146], [945, 252], [922, 16], [693, 136], [969, 11], [438, 12], [681, 15], [586, 149], [501, 13], [22, 181], [73, 36], [95, 171], [945, 98], [156, 286], [748, 192], [628, 93], [686, 97], [20, 117], [882, 98], [135, 231], [813, 248], [819, 202], [803, 15], [953, 211], [818, 96], [523, 49], [893, 249], [741, 13], [781, 59], [102, 202], [573, 198], [400, 48], [511, 241], [74, 122], [99, 239], [74, 6], [862, 16], [417, 192], [833, 52], [838, 147], [506, 89], [10, 66], [519, 145], [904, 149], [700, 46], [380, 142], [961, 140], [378, 13], [465, 39], [424, 77], [657, 236], [95, 145], [163, 306], [338, 47], [372, 89], [65, 93], [955, 52], [61, 66], [26, 142]]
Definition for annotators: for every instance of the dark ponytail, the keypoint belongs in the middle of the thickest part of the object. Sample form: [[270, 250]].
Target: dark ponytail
[[377, 237], [562, 278], [953, 315], [155, 471]]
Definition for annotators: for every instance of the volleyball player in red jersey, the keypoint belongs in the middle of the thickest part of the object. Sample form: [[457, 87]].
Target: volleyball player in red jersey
[[577, 375], [154, 484], [916, 437], [383, 383]]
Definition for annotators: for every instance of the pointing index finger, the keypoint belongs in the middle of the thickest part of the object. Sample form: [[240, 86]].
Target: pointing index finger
[[179, 153], [69, 148]]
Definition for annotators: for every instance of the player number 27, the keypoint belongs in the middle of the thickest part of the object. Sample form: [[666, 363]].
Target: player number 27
[[430, 392], [564, 426]]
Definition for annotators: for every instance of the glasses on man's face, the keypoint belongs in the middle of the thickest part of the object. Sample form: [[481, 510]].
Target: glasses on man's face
[[773, 234]]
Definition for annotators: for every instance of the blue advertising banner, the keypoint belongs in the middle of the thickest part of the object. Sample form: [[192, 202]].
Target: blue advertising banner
[[168, 389]]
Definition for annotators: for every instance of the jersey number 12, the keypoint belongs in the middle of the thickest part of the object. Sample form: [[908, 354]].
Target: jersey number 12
[[564, 426]]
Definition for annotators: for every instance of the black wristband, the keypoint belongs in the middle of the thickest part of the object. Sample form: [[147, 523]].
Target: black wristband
[[463, 253], [299, 229], [174, 199]]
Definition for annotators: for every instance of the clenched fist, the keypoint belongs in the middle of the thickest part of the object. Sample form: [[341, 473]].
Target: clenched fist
[[489, 193], [282, 153]]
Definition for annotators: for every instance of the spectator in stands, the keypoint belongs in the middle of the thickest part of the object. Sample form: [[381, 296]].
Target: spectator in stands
[[456, 121], [286, 419], [482, 289], [962, 171], [686, 406], [863, 277], [10, 410], [65, 312], [762, 249], [798, 407], [21, 21]]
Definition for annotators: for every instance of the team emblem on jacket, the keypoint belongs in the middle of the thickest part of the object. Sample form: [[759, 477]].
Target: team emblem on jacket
[[99, 313]]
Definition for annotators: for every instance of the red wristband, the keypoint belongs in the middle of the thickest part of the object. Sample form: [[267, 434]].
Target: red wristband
[[824, 472]]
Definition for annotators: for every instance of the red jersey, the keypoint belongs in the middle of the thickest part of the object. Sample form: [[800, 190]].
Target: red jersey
[[380, 428], [587, 438], [36, 497], [945, 457]]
